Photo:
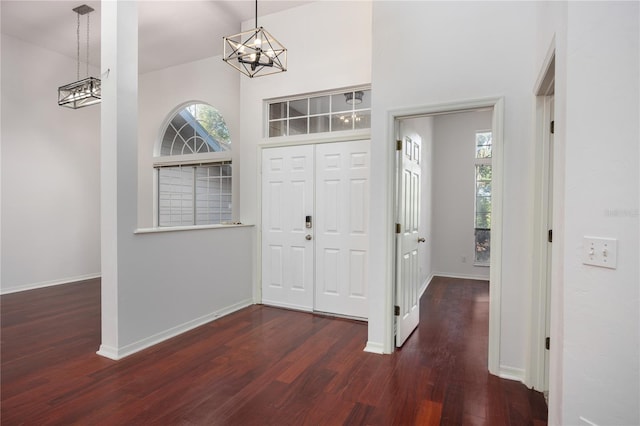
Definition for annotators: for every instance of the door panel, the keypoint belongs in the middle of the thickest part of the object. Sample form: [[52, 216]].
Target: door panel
[[287, 198], [407, 240], [342, 238]]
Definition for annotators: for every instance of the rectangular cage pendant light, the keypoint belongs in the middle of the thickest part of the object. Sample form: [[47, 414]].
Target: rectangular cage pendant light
[[83, 92]]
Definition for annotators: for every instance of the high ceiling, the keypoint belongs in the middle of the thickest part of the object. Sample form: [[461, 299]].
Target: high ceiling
[[170, 32]]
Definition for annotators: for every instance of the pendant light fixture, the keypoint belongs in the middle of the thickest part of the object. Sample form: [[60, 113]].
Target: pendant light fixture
[[83, 92], [255, 52]]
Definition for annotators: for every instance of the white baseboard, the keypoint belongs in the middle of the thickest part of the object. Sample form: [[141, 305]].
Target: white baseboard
[[511, 373], [425, 284], [374, 348], [43, 284], [130, 349], [460, 276]]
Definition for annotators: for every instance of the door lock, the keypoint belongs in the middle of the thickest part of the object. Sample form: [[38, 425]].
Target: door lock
[[307, 237]]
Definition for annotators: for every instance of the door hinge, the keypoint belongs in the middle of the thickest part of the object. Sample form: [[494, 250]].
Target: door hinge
[[398, 228], [550, 235], [547, 343], [399, 145], [396, 310], [552, 127]]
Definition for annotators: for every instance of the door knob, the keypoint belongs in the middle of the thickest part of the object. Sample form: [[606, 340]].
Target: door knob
[[307, 237], [421, 240]]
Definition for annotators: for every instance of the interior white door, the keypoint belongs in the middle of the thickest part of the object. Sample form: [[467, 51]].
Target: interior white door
[[287, 244], [342, 228], [407, 239]]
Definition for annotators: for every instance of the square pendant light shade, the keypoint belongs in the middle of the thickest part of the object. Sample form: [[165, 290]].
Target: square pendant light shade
[[80, 93], [255, 53]]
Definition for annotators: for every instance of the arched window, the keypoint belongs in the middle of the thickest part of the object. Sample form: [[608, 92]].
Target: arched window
[[194, 168], [196, 128]]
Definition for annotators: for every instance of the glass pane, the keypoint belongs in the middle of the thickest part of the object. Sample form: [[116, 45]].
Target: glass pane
[[298, 108], [319, 105], [341, 122], [339, 102], [483, 246], [200, 121], [277, 128], [277, 110], [483, 220], [366, 100], [319, 124], [362, 120], [298, 126], [483, 189], [483, 172], [483, 145], [483, 205]]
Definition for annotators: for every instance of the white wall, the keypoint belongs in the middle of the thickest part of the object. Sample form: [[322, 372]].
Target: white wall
[[454, 193], [160, 92], [451, 52], [50, 173], [595, 311], [421, 129], [329, 45]]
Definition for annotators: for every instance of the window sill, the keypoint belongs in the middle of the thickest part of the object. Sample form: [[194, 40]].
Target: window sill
[[188, 228], [486, 265]]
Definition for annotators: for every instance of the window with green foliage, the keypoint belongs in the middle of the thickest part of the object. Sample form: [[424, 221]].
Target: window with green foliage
[[483, 198], [194, 129], [194, 168]]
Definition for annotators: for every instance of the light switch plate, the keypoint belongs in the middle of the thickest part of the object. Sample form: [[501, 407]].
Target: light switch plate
[[601, 252]]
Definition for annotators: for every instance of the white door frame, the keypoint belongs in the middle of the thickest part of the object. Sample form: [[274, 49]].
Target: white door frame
[[537, 372], [495, 275]]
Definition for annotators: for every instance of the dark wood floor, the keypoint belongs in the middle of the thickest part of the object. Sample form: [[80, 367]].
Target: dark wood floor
[[259, 366]]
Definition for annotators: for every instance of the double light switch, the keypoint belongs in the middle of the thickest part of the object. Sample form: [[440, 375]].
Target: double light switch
[[601, 252]]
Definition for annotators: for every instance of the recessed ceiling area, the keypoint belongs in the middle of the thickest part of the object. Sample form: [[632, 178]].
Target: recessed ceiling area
[[170, 32]]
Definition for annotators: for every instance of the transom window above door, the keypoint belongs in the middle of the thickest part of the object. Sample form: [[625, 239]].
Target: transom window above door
[[320, 113]]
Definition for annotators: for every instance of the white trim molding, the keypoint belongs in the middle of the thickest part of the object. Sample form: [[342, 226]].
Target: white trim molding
[[495, 279], [43, 284], [511, 373], [130, 349], [460, 276], [374, 348]]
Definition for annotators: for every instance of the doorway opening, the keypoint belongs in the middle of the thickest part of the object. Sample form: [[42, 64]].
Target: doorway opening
[[406, 267]]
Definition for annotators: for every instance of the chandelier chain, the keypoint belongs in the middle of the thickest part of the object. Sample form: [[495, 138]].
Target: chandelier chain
[[88, 17], [78, 48]]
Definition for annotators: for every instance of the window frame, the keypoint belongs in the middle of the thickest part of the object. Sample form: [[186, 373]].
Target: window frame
[[329, 114], [194, 159], [483, 161]]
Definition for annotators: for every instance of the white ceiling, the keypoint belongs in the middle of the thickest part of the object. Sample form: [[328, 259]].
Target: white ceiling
[[171, 32]]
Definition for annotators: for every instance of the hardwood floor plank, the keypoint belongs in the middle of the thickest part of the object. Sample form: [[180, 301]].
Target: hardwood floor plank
[[261, 365]]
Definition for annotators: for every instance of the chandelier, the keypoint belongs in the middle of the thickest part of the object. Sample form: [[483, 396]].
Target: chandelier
[[83, 92], [255, 52]]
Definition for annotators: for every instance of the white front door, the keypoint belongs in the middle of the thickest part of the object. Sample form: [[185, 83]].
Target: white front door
[[287, 244], [342, 228], [336, 238], [407, 239]]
